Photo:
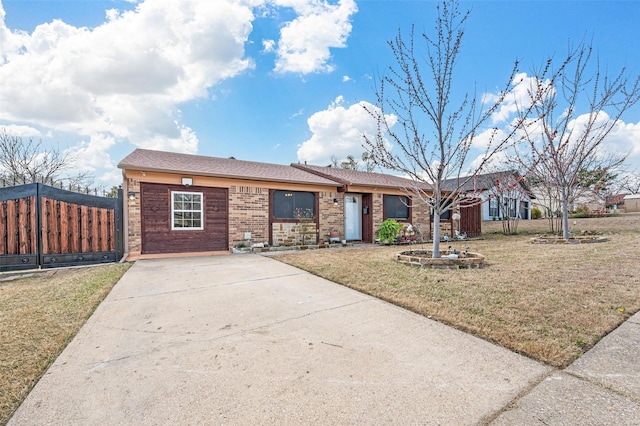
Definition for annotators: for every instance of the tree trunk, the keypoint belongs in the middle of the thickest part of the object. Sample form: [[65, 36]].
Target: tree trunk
[[565, 218], [436, 235]]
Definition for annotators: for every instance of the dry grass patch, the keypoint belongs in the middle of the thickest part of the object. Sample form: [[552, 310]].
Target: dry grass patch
[[39, 315], [548, 302]]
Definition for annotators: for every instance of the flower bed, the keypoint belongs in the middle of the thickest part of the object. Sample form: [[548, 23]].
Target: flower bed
[[423, 259], [553, 239]]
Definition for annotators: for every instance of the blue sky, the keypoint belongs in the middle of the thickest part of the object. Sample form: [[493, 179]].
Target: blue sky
[[277, 81]]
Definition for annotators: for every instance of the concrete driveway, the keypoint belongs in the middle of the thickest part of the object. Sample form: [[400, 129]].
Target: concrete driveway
[[244, 339]]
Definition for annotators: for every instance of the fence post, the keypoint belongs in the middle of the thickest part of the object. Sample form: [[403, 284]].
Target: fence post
[[40, 256]]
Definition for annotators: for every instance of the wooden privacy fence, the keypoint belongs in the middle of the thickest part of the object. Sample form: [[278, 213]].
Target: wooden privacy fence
[[470, 219], [48, 227]]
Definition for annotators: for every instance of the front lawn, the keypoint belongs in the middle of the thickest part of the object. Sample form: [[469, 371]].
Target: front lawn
[[548, 302]]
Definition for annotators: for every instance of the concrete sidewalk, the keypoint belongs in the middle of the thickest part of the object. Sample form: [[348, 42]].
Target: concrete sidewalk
[[602, 387], [245, 339]]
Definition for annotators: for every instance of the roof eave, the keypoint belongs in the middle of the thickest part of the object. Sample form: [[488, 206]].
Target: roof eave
[[219, 175]]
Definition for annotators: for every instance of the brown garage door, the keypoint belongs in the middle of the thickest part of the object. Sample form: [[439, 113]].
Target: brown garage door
[[172, 224]]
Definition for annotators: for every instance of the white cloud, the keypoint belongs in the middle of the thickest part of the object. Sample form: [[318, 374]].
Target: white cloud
[[499, 161], [518, 97], [338, 131], [488, 139], [297, 113], [92, 155], [21, 131], [125, 77], [268, 46], [346, 78], [624, 139], [305, 41]]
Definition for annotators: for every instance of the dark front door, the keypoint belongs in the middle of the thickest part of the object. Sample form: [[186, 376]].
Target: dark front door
[[367, 218]]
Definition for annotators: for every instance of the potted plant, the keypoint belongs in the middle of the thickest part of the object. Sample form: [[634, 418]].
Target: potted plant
[[388, 231]]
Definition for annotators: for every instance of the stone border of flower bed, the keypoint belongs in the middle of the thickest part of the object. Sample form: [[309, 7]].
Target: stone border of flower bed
[[423, 259], [544, 239]]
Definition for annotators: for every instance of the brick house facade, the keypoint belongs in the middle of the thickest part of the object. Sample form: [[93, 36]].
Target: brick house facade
[[168, 203]]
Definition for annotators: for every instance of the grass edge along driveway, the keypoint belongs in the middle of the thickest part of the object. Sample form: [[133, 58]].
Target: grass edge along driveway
[[39, 315]]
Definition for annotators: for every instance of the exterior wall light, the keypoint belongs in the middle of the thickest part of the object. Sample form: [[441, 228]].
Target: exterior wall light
[[335, 202], [132, 195]]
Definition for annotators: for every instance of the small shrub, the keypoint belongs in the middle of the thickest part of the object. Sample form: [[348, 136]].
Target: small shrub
[[388, 231], [583, 210], [536, 213]]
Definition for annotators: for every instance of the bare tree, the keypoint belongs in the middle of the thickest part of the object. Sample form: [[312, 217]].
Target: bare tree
[[418, 94], [631, 182], [506, 191], [547, 198], [351, 163], [563, 143], [27, 158], [30, 161]]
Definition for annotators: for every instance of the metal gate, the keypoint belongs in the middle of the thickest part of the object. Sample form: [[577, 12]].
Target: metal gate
[[47, 227]]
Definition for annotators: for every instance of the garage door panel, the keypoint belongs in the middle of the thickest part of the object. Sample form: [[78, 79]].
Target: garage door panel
[[157, 235]]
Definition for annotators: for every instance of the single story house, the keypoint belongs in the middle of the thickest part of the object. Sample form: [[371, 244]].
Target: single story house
[[632, 203], [178, 203], [615, 202], [501, 194]]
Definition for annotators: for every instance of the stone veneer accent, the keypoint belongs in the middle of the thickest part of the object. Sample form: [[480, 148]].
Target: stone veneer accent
[[248, 212], [292, 234]]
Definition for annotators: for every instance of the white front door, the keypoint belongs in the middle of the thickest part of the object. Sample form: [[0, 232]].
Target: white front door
[[353, 217]]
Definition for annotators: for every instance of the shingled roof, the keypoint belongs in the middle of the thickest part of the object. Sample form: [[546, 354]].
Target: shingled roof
[[485, 182], [199, 165], [349, 177]]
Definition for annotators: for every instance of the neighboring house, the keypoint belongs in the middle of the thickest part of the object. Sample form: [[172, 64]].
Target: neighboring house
[[190, 203], [501, 194], [590, 200], [632, 203], [615, 202]]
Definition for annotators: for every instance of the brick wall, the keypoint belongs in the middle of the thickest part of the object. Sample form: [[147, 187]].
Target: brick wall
[[378, 213], [248, 212], [331, 216], [420, 214], [134, 226]]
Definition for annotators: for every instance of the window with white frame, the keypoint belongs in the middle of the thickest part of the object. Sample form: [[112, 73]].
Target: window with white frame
[[493, 207], [187, 210], [513, 207]]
